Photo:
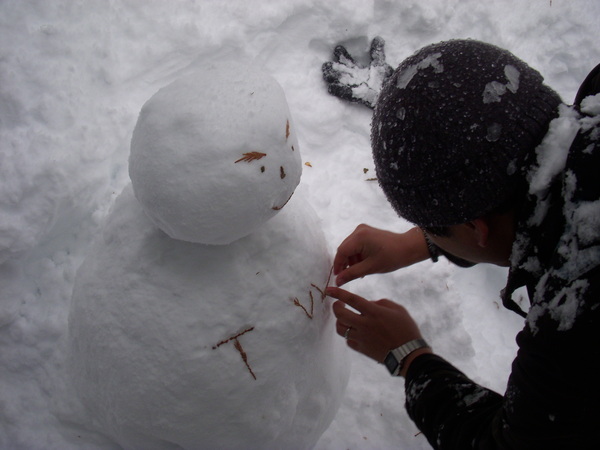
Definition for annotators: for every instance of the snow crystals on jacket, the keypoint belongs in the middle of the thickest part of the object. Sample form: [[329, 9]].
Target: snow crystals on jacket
[[552, 397]]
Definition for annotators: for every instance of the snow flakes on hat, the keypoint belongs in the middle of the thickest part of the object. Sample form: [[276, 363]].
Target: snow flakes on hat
[[452, 128], [494, 90]]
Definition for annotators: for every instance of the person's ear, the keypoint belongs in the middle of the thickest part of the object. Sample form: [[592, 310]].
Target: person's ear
[[481, 230]]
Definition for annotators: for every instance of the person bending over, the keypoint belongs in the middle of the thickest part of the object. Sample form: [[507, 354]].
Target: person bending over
[[492, 167]]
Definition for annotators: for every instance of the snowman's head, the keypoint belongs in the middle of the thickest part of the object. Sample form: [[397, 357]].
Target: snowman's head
[[214, 154]]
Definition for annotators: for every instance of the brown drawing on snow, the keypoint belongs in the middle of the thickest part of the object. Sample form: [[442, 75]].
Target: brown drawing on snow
[[239, 348], [310, 312], [251, 156], [277, 208], [312, 304]]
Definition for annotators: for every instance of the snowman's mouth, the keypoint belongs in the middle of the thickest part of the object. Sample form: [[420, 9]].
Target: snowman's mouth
[[277, 208]]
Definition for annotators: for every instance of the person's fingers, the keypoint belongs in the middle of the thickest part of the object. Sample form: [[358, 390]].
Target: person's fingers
[[357, 270], [347, 253], [354, 259], [359, 339], [353, 345], [338, 308], [355, 301], [353, 249], [345, 316], [344, 330], [389, 304]]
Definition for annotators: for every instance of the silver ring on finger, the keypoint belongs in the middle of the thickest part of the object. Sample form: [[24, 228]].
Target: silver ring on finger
[[346, 333]]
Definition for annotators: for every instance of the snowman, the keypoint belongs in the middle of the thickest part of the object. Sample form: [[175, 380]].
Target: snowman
[[199, 318]]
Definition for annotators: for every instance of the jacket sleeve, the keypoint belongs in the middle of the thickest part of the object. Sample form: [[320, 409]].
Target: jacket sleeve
[[551, 401], [449, 408]]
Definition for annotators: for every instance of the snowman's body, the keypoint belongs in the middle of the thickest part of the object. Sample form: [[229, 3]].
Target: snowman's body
[[177, 344]]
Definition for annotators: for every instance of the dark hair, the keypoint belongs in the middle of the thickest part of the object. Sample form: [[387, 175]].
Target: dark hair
[[441, 231], [513, 203]]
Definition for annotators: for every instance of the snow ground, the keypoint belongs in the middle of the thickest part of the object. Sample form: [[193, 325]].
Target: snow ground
[[74, 75]]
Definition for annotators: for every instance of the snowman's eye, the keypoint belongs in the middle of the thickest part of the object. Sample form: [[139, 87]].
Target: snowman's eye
[[262, 169], [281, 172]]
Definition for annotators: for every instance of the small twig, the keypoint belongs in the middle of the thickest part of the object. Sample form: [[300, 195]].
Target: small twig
[[239, 348], [312, 299], [297, 303], [278, 208], [320, 291], [233, 337], [329, 277], [251, 156]]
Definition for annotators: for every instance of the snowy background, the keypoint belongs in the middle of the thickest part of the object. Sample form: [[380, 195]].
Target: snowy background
[[73, 77]]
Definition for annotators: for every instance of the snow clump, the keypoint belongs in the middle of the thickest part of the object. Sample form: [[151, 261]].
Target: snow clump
[[176, 345], [214, 154]]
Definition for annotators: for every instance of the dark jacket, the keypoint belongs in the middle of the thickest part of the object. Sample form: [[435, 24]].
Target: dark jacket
[[552, 399]]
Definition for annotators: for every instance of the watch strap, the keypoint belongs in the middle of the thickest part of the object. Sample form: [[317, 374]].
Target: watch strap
[[404, 350]]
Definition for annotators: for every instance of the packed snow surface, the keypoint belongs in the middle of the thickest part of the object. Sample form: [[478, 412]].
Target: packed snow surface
[[74, 77], [202, 346]]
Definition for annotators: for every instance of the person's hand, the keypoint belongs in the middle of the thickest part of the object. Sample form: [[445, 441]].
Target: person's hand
[[377, 328], [349, 81], [370, 250]]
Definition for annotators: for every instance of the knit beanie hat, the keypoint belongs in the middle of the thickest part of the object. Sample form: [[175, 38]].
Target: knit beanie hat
[[454, 128]]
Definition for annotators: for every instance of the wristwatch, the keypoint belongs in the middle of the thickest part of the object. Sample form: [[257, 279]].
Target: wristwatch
[[395, 358]]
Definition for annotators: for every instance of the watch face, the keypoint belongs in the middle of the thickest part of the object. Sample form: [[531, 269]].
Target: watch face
[[391, 363]]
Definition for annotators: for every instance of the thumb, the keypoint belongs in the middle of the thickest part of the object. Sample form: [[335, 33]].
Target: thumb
[[358, 270]]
